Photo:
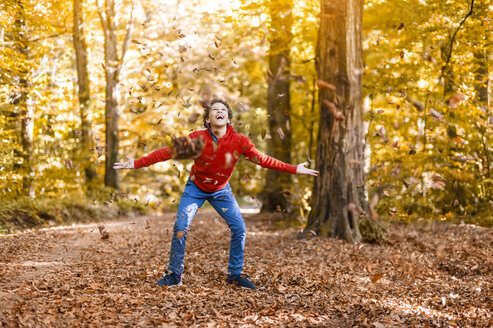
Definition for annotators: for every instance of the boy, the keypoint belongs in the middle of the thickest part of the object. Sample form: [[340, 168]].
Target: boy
[[208, 180]]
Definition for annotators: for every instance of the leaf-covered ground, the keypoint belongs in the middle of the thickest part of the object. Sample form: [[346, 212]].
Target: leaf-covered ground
[[436, 276]]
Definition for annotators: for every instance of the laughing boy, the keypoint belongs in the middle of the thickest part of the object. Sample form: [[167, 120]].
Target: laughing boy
[[208, 180]]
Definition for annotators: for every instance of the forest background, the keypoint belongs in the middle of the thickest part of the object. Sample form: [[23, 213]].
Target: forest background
[[426, 100]]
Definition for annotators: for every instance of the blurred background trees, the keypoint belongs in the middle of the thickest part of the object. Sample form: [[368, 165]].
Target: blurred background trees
[[426, 99]]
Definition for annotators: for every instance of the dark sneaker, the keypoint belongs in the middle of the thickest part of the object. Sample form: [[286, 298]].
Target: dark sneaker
[[240, 280], [169, 280]]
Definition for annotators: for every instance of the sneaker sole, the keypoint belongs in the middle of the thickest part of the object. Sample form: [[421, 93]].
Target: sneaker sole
[[238, 286], [170, 286]]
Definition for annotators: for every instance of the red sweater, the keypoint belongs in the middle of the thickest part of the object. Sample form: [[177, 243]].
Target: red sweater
[[213, 168]]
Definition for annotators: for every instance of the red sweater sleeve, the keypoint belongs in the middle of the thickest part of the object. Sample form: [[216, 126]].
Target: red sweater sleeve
[[259, 158], [159, 155]]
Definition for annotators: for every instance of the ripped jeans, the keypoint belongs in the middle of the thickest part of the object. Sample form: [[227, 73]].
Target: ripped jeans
[[225, 204]]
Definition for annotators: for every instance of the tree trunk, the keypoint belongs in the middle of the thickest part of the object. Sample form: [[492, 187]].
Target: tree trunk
[[340, 142], [278, 107], [84, 96], [25, 109], [481, 84], [447, 72], [113, 66]]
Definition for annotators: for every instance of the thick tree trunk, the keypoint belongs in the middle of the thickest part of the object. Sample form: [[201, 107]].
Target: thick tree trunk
[[84, 96], [26, 111], [340, 142], [278, 107]]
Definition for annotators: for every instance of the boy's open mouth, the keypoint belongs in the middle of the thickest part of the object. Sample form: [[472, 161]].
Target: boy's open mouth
[[219, 116]]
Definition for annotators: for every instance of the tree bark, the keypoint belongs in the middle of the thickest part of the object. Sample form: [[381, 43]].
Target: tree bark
[[340, 142], [113, 66], [25, 109], [84, 96], [278, 107], [481, 85]]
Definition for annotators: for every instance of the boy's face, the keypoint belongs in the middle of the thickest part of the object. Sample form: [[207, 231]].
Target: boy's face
[[218, 115]]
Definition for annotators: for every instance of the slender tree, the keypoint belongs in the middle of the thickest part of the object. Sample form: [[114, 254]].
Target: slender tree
[[113, 64], [26, 111], [340, 149], [481, 81], [278, 105], [84, 95]]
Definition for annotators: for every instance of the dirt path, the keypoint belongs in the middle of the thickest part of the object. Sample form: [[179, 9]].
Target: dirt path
[[71, 277]]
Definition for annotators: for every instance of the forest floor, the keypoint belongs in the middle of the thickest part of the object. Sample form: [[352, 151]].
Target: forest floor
[[435, 275]]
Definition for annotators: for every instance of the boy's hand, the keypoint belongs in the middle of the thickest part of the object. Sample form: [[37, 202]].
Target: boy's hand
[[127, 165], [301, 169]]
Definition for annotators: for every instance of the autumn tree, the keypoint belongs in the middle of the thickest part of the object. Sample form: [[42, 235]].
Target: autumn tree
[[84, 94], [20, 96], [113, 65], [278, 104], [340, 151]]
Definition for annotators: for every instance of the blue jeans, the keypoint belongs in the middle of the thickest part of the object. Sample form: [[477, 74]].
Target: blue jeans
[[225, 204]]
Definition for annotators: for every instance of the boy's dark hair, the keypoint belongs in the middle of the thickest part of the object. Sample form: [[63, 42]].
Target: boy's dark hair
[[207, 109]]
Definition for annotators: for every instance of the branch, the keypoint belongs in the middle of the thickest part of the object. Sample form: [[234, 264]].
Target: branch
[[102, 17], [127, 39], [303, 61], [48, 37], [451, 46]]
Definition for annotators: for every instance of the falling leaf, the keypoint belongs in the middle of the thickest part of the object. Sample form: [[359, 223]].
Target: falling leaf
[[68, 163], [440, 251], [281, 133], [418, 105], [354, 209], [236, 155], [148, 224], [288, 125], [227, 160], [436, 114], [462, 159], [325, 85], [332, 108], [437, 182], [455, 100], [194, 117], [103, 232], [373, 214], [180, 234], [224, 209]]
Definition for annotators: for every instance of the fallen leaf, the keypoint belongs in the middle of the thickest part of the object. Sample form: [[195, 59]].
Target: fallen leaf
[[376, 277]]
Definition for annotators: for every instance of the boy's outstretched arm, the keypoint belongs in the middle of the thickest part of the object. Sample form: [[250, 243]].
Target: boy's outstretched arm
[[159, 155], [259, 158]]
